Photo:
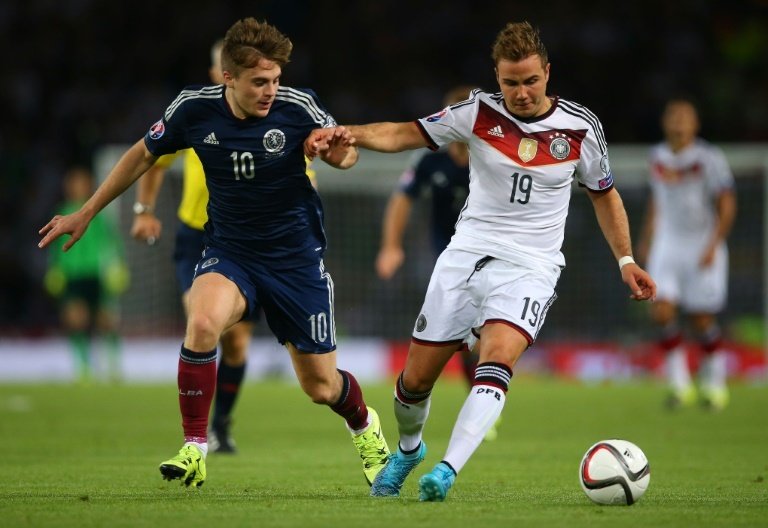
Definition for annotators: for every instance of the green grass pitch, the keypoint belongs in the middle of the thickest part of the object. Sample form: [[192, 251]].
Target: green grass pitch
[[88, 456]]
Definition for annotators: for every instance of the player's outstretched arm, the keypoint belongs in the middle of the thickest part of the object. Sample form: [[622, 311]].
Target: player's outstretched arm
[[388, 137], [381, 137], [131, 165], [612, 218]]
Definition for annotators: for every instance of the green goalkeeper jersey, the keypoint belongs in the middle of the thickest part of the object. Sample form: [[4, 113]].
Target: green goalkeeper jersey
[[91, 257]]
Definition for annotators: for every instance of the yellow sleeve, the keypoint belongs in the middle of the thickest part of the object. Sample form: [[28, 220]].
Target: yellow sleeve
[[167, 160], [311, 174], [194, 193]]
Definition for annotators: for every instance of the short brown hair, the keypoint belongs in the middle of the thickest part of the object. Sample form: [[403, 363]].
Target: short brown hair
[[248, 41], [518, 41]]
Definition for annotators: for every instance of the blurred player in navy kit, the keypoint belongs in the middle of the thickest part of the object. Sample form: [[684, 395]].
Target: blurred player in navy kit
[[264, 236], [444, 175]]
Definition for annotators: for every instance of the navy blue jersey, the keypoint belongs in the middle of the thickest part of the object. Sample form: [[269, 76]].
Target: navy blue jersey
[[261, 203], [449, 187]]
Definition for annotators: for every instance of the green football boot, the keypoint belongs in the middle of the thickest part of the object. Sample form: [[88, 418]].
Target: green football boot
[[188, 465], [372, 447]]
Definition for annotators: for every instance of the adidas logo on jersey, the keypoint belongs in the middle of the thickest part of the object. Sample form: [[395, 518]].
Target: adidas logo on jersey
[[211, 139], [496, 131]]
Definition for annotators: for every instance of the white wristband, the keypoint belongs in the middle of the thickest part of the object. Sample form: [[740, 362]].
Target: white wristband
[[623, 261]]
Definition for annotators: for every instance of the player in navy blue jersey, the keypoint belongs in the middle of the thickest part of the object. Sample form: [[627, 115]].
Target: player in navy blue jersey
[[264, 236]]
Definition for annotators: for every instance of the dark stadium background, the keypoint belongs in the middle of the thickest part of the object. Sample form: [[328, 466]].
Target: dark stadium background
[[81, 74]]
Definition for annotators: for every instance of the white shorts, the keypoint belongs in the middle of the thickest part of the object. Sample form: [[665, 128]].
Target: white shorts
[[680, 279], [465, 293]]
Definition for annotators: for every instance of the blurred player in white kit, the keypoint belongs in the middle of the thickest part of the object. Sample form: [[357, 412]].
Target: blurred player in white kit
[[690, 213]]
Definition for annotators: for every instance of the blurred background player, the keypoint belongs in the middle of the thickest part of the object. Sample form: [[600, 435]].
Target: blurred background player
[[187, 250], [443, 176], [88, 280], [690, 213]]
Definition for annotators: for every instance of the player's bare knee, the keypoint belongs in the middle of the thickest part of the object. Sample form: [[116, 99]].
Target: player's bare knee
[[663, 313], [202, 332], [703, 323]]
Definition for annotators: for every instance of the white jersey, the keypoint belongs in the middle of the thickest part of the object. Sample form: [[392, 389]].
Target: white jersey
[[685, 187], [521, 171]]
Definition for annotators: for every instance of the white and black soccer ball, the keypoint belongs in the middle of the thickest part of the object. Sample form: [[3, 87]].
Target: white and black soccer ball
[[614, 472]]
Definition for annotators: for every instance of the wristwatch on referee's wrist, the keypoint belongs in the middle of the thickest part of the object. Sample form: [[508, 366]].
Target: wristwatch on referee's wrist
[[141, 208]]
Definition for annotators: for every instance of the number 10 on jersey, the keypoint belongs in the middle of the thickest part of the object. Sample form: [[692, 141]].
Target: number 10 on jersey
[[243, 165]]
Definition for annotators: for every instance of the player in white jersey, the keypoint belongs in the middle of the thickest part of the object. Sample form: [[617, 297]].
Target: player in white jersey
[[690, 214], [497, 276]]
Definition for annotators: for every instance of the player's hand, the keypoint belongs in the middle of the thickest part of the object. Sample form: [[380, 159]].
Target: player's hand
[[323, 141], [341, 152], [316, 142], [640, 283], [708, 256], [388, 261], [146, 227], [73, 224]]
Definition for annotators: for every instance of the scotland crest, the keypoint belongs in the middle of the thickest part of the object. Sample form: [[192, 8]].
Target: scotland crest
[[274, 140]]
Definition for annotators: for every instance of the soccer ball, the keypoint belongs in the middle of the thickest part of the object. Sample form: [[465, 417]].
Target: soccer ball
[[614, 472]]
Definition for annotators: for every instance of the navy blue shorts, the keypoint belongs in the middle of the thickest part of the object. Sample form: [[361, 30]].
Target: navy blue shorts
[[298, 302], [187, 253]]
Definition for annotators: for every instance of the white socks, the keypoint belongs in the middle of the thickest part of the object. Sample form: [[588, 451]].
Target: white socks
[[713, 371], [411, 418], [202, 446], [678, 373], [481, 409]]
